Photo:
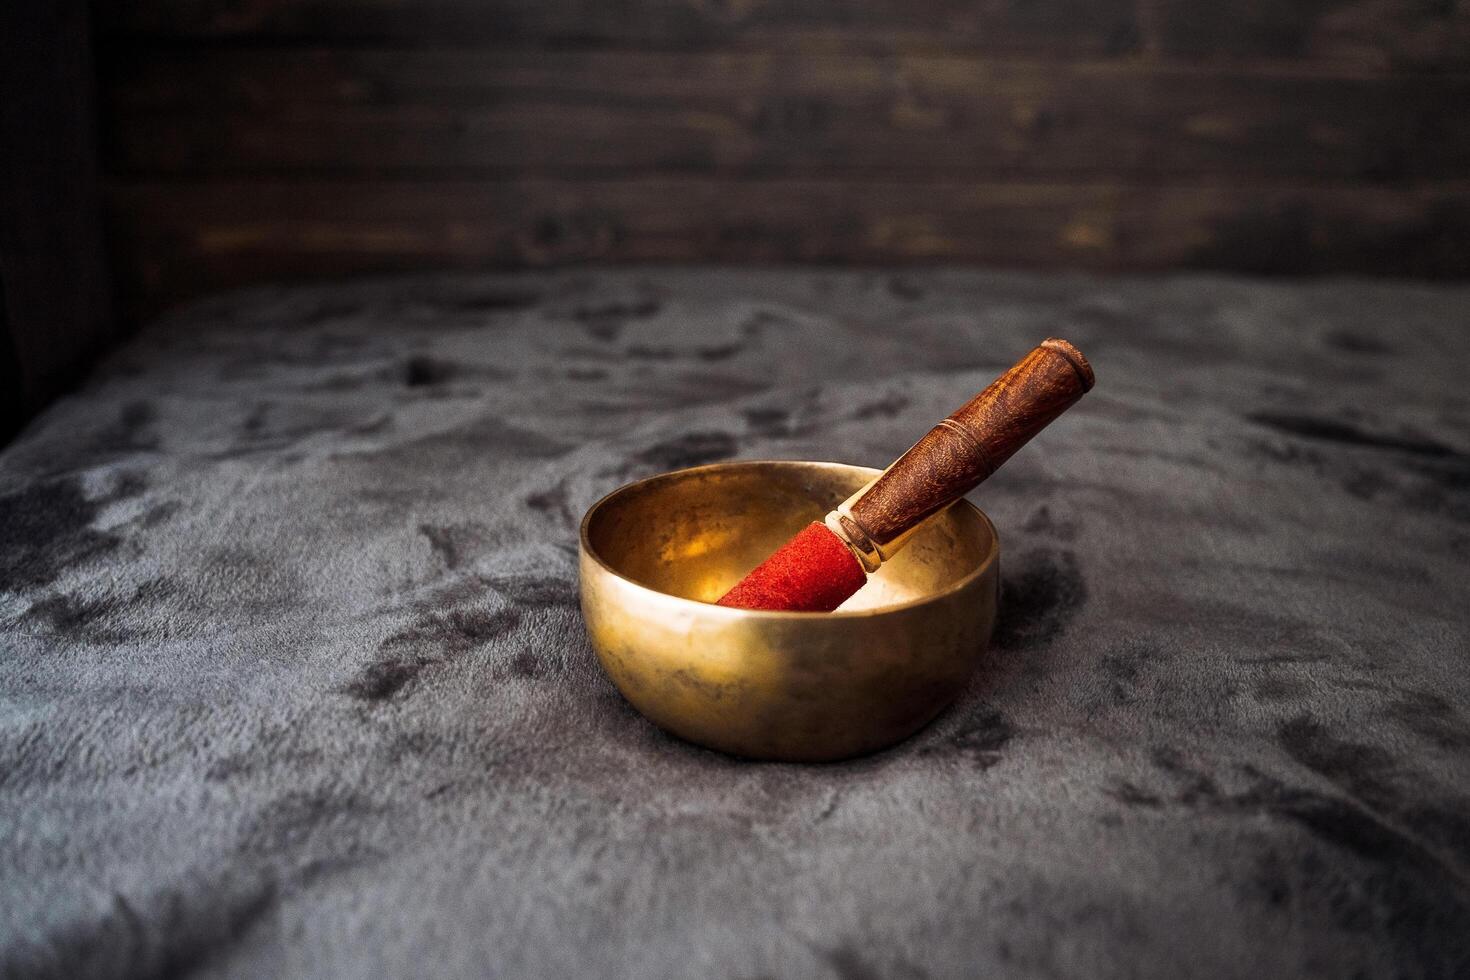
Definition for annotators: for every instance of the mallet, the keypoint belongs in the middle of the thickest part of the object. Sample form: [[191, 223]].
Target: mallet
[[830, 560]]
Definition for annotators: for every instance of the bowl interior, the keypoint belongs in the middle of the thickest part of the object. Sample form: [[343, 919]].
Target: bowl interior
[[695, 533]]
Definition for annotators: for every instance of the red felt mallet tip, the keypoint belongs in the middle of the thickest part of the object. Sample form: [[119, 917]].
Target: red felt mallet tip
[[825, 563], [813, 572]]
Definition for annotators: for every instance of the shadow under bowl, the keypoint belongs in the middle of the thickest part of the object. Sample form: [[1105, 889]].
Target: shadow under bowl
[[656, 554]]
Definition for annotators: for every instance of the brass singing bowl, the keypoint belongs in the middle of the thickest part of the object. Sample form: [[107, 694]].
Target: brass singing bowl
[[656, 554]]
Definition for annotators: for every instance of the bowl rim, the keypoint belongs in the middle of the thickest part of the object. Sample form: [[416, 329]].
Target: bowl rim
[[990, 558]]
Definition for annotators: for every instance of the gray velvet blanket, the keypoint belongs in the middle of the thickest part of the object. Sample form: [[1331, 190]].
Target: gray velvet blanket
[[293, 680]]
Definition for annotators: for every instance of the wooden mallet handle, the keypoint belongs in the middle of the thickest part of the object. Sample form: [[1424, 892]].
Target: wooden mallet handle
[[962, 451]]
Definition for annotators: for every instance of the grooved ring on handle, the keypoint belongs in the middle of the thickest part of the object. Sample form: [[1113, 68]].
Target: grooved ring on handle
[[975, 447]]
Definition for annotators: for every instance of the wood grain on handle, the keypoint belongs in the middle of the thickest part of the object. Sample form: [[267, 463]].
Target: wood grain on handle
[[963, 450]]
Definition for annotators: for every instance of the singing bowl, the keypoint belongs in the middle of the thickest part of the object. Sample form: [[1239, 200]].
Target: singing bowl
[[794, 686]]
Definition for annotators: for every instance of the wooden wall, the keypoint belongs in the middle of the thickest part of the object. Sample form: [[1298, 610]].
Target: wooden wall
[[54, 294], [247, 140]]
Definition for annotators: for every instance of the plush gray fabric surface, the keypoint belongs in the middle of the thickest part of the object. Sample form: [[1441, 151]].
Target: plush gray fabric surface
[[294, 680]]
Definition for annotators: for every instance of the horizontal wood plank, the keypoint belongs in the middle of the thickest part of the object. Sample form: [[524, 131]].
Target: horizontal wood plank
[[180, 241], [1387, 33], [470, 113], [1067, 25], [1406, 33]]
